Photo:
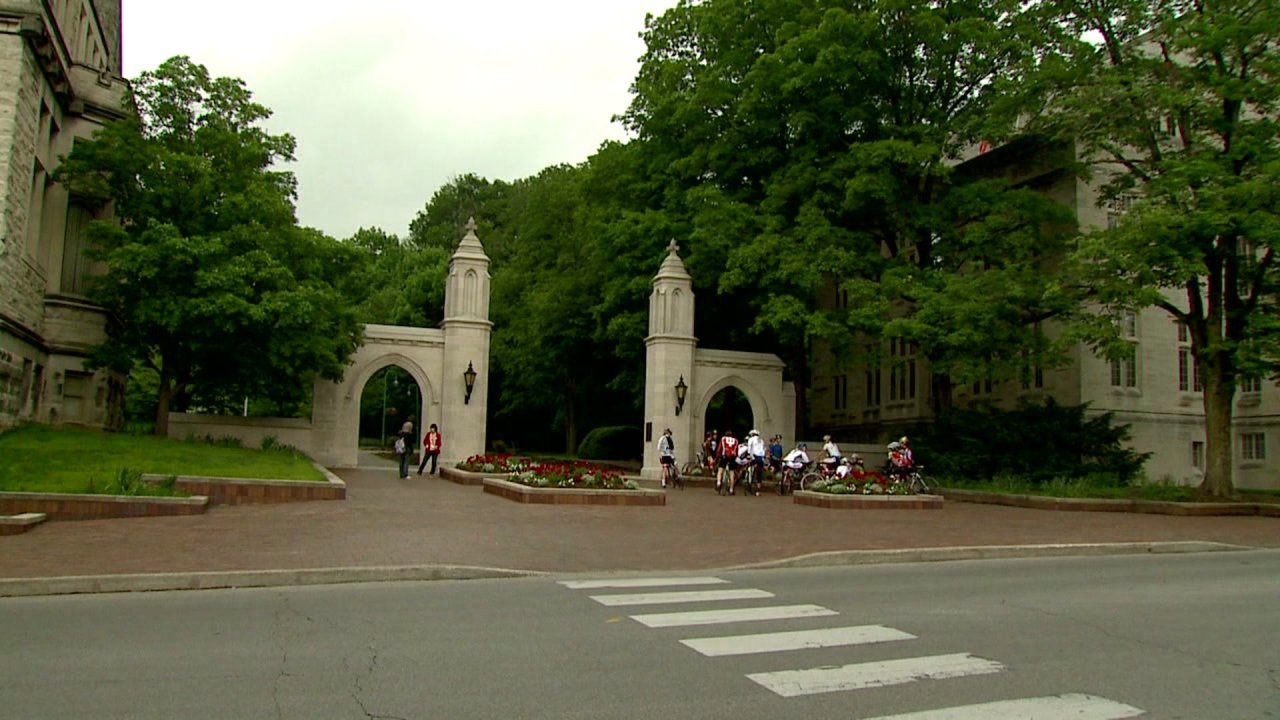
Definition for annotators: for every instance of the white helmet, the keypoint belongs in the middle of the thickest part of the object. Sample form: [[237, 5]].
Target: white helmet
[[895, 445]]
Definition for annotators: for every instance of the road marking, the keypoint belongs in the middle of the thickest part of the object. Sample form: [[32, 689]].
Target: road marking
[[1072, 706], [714, 617], [796, 640], [679, 597], [793, 683], [640, 582]]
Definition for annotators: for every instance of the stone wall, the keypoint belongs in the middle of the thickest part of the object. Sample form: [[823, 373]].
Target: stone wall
[[250, 431]]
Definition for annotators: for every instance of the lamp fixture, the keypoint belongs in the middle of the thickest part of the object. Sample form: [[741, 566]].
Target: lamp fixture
[[681, 391], [469, 378]]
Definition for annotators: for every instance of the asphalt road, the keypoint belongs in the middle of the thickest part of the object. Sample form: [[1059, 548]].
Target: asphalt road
[[1168, 636]]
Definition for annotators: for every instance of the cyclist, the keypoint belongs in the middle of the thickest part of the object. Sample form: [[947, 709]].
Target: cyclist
[[726, 453], [906, 451], [709, 443], [899, 462], [666, 455], [844, 469], [830, 453], [775, 454], [740, 463], [794, 464], [755, 445]]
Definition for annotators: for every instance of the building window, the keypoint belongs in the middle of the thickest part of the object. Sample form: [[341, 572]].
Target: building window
[[1118, 207], [1251, 385], [902, 374], [841, 394], [873, 388], [75, 256], [1253, 447], [1197, 454], [1188, 368], [1124, 371]]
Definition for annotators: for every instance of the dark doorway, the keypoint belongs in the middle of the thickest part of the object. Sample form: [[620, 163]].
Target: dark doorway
[[729, 410], [390, 396]]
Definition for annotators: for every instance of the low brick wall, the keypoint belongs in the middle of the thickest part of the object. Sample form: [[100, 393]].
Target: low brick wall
[[59, 506], [462, 477], [1039, 502], [573, 496], [20, 523], [867, 502], [246, 491]]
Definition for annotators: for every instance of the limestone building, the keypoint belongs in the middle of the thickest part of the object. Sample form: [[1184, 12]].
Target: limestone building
[[1157, 393], [60, 80]]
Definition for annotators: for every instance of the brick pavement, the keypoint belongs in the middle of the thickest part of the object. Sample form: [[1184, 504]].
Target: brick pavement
[[390, 522]]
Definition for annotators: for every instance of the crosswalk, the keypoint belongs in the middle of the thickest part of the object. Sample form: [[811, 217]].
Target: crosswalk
[[657, 591]]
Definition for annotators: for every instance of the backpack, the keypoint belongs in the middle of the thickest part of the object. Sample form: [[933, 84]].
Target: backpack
[[400, 446]]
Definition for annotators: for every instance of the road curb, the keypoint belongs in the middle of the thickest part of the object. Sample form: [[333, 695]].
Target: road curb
[[986, 552], [156, 582], [151, 582]]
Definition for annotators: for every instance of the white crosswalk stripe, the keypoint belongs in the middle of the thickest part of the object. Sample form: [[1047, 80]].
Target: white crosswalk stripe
[[641, 582], [681, 597], [857, 676], [714, 617], [1054, 707], [793, 683], [795, 640]]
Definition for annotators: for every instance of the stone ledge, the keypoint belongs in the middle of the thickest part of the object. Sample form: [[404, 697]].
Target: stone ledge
[[867, 502], [572, 496], [255, 491], [65, 506], [462, 477], [20, 523], [1156, 507]]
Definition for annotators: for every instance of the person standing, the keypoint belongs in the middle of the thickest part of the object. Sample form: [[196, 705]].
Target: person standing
[[666, 455], [430, 449], [404, 446], [726, 461], [755, 444]]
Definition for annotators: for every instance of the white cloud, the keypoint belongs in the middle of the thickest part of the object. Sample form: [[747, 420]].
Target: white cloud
[[388, 99]]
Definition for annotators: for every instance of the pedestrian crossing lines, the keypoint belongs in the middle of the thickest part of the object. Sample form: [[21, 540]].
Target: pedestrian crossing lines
[[827, 679]]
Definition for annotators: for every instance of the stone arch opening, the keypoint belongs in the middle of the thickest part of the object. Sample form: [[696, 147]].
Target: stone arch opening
[[390, 394], [728, 409]]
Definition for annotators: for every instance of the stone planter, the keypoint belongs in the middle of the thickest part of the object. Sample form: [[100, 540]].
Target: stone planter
[[249, 491], [867, 502], [462, 477], [66, 506], [572, 496]]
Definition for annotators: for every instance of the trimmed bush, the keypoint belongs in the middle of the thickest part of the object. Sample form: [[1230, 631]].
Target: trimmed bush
[[1040, 443], [617, 442]]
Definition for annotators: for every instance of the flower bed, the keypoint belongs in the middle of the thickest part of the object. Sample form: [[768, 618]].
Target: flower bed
[[494, 463], [578, 474], [861, 482]]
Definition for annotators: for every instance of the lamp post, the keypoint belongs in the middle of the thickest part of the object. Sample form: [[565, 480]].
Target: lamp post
[[681, 391], [469, 378]]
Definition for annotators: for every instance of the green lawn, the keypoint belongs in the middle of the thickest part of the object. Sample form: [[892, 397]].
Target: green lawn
[[1100, 489], [37, 458]]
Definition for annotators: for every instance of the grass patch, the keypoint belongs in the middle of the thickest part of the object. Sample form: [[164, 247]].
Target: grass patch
[[1105, 487], [39, 458]]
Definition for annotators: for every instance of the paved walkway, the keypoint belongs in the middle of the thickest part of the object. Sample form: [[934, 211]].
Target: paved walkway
[[425, 520]]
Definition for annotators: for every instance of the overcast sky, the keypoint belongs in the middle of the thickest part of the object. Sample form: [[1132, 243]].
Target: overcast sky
[[389, 99]]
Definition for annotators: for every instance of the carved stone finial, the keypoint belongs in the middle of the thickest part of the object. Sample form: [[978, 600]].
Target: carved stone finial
[[471, 224], [673, 248]]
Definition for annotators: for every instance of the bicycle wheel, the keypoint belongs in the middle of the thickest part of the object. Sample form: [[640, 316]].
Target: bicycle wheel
[[688, 468], [809, 478]]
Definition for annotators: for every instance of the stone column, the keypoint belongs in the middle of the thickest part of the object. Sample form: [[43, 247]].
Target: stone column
[[466, 348], [669, 358]]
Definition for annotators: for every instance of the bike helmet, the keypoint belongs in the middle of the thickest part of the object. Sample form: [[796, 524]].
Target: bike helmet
[[895, 446], [802, 446]]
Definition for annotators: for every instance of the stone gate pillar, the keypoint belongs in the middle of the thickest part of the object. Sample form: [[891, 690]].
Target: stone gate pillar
[[669, 361], [466, 350]]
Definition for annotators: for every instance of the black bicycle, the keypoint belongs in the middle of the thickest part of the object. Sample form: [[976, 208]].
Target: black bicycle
[[751, 479]]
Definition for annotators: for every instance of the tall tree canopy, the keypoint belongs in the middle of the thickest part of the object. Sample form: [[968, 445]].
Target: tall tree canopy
[[212, 283], [806, 145], [1175, 107]]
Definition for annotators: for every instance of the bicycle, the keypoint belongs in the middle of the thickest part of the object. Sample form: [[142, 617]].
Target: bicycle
[[790, 478], [911, 477], [677, 476], [822, 473], [750, 481]]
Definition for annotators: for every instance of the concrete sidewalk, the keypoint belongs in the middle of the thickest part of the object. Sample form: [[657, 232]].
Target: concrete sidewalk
[[387, 525]]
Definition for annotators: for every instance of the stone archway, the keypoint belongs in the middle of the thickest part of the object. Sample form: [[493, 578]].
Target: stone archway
[[673, 358]]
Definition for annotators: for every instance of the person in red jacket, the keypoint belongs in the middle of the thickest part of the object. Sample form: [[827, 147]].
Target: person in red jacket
[[430, 449], [726, 457]]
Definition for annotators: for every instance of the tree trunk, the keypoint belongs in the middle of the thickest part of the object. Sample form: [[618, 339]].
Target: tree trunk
[[570, 417], [164, 394], [1218, 395]]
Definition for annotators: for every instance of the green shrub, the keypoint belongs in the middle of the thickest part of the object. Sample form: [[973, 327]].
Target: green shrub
[[617, 442], [1039, 443]]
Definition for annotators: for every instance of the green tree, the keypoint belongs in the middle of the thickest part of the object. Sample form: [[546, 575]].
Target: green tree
[[212, 283], [806, 146], [1196, 153]]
